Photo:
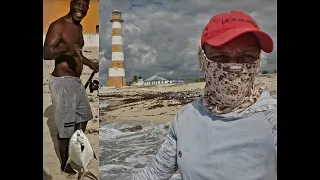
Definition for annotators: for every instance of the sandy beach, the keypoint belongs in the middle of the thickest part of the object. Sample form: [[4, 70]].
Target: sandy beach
[[51, 164], [159, 103]]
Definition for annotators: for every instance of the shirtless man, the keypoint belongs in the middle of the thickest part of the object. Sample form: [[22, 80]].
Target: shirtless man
[[71, 107]]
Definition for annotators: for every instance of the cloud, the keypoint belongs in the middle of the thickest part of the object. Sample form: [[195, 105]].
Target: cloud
[[162, 38]]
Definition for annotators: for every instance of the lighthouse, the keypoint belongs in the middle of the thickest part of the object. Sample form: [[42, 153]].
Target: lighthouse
[[116, 70]]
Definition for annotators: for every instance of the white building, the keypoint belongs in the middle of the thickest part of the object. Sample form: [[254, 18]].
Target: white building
[[139, 82], [155, 80]]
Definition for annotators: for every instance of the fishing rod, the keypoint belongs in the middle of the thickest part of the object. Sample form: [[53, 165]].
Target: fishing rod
[[94, 85]]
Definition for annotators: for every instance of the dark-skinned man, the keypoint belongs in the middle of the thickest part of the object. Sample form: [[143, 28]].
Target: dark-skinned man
[[71, 107]]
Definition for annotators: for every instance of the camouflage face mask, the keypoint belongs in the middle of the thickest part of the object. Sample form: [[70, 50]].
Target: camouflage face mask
[[226, 91]]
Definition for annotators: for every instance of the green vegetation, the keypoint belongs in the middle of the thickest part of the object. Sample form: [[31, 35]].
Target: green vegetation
[[135, 78]]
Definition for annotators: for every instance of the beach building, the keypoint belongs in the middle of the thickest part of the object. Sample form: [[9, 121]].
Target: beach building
[[155, 80], [139, 82], [177, 81]]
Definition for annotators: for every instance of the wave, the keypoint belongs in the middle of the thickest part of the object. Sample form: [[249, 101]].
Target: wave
[[124, 153]]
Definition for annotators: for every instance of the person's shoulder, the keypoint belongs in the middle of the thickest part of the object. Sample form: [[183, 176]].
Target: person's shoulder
[[57, 24], [183, 113], [189, 108], [270, 111], [265, 104], [266, 101], [268, 105]]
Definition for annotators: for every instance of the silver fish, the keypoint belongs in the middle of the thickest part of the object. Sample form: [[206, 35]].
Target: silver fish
[[81, 152]]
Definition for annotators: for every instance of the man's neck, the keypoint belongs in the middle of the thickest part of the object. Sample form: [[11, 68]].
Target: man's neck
[[69, 19]]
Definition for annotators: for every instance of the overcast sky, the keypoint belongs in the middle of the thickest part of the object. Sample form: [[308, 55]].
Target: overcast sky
[[162, 38]]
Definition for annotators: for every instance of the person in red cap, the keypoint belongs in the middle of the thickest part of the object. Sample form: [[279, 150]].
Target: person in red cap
[[231, 131]]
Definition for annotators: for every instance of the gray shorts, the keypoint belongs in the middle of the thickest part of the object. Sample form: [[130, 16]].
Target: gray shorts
[[70, 104]]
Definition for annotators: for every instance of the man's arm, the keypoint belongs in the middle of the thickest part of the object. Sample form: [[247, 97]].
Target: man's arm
[[92, 65], [53, 37], [164, 164], [85, 60]]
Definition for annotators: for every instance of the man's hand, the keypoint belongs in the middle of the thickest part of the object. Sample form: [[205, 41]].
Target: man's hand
[[75, 50], [94, 66]]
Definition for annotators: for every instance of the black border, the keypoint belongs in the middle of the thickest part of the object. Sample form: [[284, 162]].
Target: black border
[[282, 55], [297, 92], [284, 117], [22, 23]]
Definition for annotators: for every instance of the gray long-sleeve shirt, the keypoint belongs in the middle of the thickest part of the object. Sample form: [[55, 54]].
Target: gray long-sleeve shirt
[[202, 146]]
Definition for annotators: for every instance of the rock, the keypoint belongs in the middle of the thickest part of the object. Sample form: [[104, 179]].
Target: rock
[[132, 129], [45, 81], [102, 119], [92, 131]]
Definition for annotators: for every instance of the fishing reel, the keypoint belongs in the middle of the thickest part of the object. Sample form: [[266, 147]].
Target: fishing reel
[[94, 86]]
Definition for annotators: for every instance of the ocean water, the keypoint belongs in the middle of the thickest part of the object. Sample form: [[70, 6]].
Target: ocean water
[[103, 104], [122, 154]]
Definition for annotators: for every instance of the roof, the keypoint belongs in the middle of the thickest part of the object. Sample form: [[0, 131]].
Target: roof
[[155, 78]]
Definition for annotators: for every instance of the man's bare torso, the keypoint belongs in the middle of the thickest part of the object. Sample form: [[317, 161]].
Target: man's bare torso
[[68, 65]]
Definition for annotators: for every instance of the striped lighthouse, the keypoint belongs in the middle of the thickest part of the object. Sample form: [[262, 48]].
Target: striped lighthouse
[[116, 70]]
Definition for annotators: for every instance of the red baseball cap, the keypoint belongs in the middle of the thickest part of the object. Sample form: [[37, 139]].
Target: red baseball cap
[[226, 26]]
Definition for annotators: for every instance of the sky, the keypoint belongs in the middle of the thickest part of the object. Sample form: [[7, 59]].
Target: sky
[[161, 37]]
